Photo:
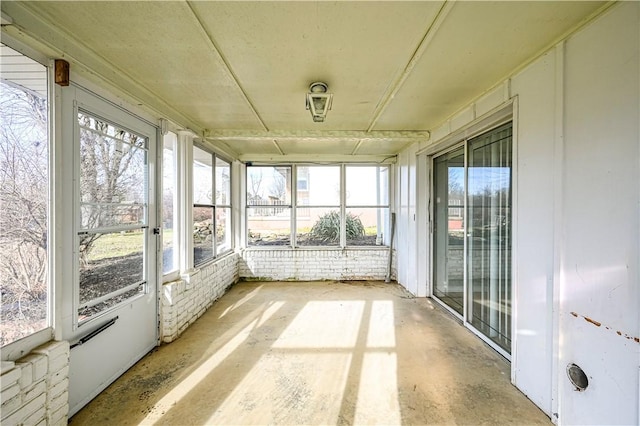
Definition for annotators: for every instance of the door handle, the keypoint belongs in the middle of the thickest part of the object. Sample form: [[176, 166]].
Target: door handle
[[94, 333]]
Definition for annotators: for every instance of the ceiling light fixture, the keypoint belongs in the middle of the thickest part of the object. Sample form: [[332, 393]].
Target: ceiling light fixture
[[319, 101]]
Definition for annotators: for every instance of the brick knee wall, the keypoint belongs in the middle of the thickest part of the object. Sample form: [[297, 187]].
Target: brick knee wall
[[35, 388], [321, 264], [186, 299]]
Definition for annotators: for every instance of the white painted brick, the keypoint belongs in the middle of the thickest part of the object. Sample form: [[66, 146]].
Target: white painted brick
[[53, 349], [9, 378], [58, 390], [36, 418], [39, 363], [6, 366], [26, 374], [58, 363], [26, 411], [59, 417], [54, 402], [34, 392], [8, 393]]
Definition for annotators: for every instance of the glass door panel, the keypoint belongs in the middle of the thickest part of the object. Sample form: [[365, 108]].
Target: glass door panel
[[489, 235], [113, 215], [448, 185]]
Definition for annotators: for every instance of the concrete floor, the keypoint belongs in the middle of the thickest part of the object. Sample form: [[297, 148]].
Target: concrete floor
[[317, 353]]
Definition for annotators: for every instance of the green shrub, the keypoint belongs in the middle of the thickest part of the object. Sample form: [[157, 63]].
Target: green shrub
[[327, 228]]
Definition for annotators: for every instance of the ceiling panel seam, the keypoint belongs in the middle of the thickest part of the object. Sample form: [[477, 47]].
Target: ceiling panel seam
[[357, 147], [417, 54], [275, 142], [223, 59]]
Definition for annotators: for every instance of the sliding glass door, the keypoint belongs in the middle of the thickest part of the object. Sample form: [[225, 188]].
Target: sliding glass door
[[472, 198], [448, 181], [489, 235]]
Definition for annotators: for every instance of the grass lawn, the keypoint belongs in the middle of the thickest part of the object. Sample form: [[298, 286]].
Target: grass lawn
[[117, 245]]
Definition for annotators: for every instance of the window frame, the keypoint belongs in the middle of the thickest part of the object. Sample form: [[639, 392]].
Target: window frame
[[297, 205], [289, 206], [178, 243], [18, 348], [214, 206], [378, 206], [343, 207]]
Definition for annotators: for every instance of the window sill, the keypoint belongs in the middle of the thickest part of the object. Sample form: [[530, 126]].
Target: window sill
[[187, 276], [15, 350], [170, 277], [309, 248]]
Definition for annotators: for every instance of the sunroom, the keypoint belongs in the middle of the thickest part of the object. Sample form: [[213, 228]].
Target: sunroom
[[483, 155]]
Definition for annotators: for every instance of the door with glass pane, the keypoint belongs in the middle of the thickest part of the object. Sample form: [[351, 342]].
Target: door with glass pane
[[472, 197], [489, 235], [114, 311], [448, 206]]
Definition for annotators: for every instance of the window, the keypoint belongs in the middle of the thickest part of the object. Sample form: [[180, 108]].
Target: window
[[321, 216], [169, 205], [113, 196], [318, 211], [367, 205], [24, 197], [212, 229], [269, 205], [223, 206]]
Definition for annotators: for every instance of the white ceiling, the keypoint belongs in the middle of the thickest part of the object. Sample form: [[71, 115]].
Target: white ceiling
[[238, 71]]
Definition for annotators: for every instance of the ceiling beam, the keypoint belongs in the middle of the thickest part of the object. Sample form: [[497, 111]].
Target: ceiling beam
[[316, 159], [218, 53], [417, 54], [313, 135]]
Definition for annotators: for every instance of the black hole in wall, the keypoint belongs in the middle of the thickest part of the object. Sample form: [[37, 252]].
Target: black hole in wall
[[577, 377]]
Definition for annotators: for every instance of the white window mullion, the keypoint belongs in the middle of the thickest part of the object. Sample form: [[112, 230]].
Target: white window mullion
[[343, 206], [185, 196], [214, 203], [239, 204], [294, 205]]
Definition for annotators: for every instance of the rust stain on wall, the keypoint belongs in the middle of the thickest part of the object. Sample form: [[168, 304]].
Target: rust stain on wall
[[598, 324]]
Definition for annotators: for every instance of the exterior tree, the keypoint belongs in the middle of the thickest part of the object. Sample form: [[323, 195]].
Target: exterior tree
[[110, 161], [23, 215]]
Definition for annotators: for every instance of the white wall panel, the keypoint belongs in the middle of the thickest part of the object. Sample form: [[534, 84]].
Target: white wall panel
[[402, 211], [600, 288], [410, 223], [577, 221], [490, 100], [534, 245], [406, 231]]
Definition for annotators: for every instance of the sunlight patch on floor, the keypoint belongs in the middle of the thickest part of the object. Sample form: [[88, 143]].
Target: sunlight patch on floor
[[285, 387], [382, 332], [324, 324], [192, 380], [378, 391]]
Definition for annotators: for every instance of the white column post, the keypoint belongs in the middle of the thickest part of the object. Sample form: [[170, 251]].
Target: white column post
[[185, 200]]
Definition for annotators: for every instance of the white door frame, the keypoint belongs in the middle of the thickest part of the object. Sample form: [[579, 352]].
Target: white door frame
[[106, 346]]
